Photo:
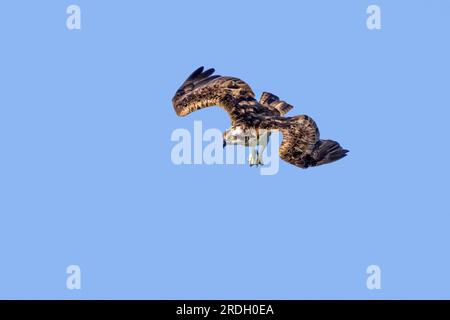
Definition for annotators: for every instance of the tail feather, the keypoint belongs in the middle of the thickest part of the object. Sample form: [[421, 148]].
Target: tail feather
[[267, 98], [272, 101]]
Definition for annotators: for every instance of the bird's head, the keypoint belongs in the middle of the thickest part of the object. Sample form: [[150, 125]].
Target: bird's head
[[233, 135]]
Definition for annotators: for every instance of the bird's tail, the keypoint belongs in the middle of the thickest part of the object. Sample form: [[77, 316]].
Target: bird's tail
[[272, 101]]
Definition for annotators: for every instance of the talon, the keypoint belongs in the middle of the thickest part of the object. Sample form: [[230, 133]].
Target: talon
[[253, 158], [260, 160]]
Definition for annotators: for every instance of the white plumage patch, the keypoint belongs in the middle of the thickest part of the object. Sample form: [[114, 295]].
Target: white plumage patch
[[247, 137]]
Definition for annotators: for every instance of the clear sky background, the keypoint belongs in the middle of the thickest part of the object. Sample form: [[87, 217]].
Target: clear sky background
[[86, 176]]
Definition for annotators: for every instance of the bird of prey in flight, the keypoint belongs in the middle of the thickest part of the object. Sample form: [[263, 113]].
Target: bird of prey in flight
[[252, 121]]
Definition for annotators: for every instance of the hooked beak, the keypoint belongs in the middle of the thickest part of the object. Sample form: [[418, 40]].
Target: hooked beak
[[224, 143]]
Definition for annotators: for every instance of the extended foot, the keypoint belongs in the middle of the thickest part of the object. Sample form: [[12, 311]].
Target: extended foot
[[259, 161], [253, 159]]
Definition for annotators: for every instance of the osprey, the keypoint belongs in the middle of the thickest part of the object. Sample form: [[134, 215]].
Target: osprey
[[252, 121]]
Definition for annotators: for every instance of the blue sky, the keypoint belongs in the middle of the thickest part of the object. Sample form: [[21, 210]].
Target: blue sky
[[86, 176]]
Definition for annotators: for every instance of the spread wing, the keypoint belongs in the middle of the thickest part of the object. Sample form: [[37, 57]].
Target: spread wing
[[301, 144], [203, 89]]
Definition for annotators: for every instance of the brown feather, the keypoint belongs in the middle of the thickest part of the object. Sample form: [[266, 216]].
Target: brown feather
[[301, 144]]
